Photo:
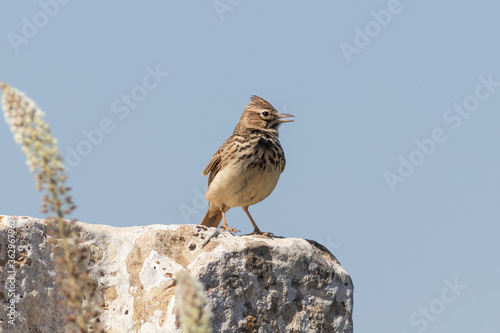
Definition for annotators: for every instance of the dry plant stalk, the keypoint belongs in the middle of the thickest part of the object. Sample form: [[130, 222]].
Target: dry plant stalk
[[45, 162], [192, 304]]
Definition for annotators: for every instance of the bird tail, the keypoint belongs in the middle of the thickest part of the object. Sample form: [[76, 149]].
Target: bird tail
[[212, 220]]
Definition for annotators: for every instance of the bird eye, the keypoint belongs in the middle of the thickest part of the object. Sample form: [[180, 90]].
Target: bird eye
[[265, 113]]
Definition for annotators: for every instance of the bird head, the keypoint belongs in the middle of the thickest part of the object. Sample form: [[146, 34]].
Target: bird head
[[261, 115]]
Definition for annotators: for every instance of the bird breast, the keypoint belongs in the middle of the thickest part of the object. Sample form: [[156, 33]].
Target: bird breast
[[250, 176]]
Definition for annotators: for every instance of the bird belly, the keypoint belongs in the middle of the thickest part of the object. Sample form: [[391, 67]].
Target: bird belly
[[240, 186]]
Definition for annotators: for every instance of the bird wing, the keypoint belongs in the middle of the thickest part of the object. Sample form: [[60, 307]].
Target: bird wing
[[214, 165], [220, 158]]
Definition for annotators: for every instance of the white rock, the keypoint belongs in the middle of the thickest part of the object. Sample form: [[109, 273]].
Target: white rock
[[253, 283]]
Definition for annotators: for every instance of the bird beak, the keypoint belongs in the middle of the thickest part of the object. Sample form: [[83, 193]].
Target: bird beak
[[284, 115]]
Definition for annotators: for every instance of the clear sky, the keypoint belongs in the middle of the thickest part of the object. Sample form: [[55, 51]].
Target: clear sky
[[392, 163]]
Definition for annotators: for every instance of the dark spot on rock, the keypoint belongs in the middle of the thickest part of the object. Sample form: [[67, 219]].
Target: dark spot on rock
[[250, 309], [192, 247], [259, 262], [174, 244], [126, 312]]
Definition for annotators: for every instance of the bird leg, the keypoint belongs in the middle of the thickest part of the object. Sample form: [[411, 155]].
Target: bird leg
[[256, 230], [224, 225]]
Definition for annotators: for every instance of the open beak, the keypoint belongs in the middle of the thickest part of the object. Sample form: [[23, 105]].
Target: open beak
[[284, 115]]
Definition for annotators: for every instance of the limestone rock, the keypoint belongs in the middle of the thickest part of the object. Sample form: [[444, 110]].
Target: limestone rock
[[253, 283]]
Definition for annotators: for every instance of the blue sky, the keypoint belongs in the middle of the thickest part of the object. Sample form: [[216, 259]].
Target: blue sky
[[392, 161]]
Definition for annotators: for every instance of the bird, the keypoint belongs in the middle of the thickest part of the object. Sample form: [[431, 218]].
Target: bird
[[247, 167]]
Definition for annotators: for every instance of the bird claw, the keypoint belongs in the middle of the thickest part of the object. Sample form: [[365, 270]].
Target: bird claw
[[225, 228], [258, 232]]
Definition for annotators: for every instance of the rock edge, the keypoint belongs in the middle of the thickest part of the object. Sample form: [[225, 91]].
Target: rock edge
[[253, 283]]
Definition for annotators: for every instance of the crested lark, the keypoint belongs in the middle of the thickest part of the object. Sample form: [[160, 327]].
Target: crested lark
[[246, 168]]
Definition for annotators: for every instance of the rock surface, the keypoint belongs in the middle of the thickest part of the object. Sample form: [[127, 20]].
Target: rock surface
[[253, 283]]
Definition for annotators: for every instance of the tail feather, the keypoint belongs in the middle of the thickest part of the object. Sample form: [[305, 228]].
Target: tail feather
[[212, 221]]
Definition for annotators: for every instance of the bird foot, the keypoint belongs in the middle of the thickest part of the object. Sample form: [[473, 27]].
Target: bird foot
[[227, 228], [258, 232]]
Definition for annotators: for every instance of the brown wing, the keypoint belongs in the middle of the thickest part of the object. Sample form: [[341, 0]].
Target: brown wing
[[214, 165], [220, 158]]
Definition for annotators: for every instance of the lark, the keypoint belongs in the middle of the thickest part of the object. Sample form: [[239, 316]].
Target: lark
[[246, 168]]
